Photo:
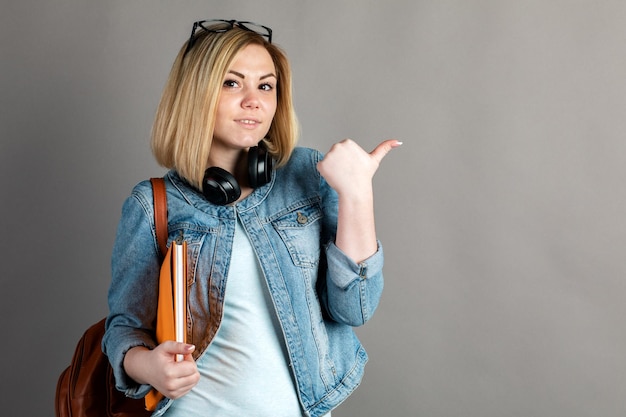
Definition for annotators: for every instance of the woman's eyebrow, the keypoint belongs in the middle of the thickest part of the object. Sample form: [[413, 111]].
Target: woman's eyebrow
[[240, 75]]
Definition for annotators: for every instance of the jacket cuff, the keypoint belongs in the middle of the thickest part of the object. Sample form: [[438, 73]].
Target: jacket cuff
[[123, 382], [344, 271]]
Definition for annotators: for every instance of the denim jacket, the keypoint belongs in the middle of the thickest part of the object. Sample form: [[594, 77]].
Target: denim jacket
[[319, 293]]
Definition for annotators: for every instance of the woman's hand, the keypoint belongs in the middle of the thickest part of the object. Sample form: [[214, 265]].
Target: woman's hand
[[159, 368], [349, 170]]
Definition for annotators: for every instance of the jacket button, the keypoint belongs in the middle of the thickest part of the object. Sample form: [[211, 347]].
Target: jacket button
[[302, 219]]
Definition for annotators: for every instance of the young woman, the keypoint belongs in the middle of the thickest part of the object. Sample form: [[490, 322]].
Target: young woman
[[283, 255]]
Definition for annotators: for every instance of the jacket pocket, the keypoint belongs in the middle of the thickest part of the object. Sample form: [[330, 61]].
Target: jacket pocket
[[199, 283], [196, 237], [300, 230]]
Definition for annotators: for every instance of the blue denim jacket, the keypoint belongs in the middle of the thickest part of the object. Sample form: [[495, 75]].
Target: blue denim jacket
[[318, 292]]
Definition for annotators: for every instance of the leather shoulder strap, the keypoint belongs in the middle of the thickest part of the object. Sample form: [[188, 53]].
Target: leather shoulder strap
[[160, 212]]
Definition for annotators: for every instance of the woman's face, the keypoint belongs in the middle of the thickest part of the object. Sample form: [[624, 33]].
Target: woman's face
[[247, 101]]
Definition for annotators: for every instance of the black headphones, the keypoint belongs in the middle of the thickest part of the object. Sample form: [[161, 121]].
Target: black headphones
[[220, 186]]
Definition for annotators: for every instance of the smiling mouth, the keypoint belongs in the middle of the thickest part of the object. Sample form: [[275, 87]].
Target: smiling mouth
[[248, 121]]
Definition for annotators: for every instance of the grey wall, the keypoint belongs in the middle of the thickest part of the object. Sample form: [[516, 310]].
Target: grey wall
[[502, 214]]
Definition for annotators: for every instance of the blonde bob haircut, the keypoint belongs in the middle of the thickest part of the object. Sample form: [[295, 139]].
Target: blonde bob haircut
[[185, 118]]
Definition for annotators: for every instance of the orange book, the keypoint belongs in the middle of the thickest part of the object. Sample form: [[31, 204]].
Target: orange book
[[172, 305]]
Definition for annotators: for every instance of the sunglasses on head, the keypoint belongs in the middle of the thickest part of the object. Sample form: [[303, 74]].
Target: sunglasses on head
[[221, 26]]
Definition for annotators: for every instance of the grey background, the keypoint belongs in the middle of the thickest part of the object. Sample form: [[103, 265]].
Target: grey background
[[502, 214]]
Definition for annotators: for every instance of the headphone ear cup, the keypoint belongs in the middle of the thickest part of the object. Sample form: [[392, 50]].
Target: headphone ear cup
[[260, 166], [220, 187]]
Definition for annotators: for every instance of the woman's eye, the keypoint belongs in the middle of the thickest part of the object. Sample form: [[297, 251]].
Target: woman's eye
[[231, 84], [266, 87]]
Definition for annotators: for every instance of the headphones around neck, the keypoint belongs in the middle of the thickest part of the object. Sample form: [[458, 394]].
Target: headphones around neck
[[220, 186]]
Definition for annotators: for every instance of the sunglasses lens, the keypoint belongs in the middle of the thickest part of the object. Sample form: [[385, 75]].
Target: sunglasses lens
[[216, 26], [253, 27]]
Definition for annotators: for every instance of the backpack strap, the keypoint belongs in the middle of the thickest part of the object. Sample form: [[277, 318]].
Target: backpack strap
[[160, 212]]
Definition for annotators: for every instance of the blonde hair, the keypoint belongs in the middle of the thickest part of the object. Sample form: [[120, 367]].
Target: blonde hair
[[185, 118]]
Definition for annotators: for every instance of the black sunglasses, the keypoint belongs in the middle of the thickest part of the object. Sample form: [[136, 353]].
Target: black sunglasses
[[221, 25]]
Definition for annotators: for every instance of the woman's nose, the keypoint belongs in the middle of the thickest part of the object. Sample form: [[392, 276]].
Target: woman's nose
[[250, 100]]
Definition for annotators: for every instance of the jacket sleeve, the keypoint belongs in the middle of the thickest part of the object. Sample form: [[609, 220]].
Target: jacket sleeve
[[133, 292], [353, 290]]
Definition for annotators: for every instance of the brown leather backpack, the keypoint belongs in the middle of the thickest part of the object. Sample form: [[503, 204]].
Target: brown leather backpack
[[86, 388]]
